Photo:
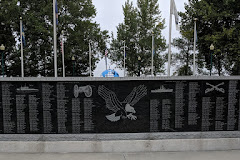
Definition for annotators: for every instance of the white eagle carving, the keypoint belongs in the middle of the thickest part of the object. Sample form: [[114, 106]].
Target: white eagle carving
[[122, 109]]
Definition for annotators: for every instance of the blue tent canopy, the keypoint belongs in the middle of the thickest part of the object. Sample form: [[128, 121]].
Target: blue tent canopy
[[109, 73]]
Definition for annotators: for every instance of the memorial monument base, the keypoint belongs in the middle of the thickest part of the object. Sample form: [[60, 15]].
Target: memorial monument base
[[120, 143], [122, 146], [43, 115]]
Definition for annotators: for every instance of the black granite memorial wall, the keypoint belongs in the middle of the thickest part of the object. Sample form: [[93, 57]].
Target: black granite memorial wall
[[134, 106]]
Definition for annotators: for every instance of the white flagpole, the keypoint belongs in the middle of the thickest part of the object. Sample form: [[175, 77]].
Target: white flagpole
[[152, 51], [54, 38], [90, 60], [106, 58], [21, 28], [124, 73], [63, 59], [170, 38], [194, 47]]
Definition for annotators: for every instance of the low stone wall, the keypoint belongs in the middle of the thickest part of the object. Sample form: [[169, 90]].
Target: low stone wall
[[120, 105], [120, 146], [138, 142], [119, 114]]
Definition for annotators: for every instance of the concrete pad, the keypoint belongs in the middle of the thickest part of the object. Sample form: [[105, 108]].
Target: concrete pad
[[61, 156], [224, 155], [214, 155]]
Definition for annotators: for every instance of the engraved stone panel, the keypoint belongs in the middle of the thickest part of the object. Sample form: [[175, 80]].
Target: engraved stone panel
[[134, 106]]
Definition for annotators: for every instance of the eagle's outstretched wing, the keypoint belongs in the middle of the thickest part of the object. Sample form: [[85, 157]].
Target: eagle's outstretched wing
[[136, 95], [112, 102], [130, 97]]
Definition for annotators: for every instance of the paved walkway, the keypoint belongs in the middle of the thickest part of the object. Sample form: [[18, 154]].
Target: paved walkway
[[216, 155]]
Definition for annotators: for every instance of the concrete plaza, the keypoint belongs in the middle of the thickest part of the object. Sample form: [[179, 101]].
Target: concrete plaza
[[207, 155]]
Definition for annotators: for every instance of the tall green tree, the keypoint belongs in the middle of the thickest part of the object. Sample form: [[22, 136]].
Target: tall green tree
[[139, 24], [8, 19], [218, 24], [183, 60], [75, 19]]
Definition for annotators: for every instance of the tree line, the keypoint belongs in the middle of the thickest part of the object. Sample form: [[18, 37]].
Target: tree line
[[76, 22], [217, 24]]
